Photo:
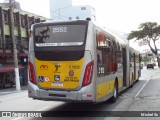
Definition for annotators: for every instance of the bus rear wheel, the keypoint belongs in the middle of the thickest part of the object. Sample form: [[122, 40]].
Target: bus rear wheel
[[115, 93]]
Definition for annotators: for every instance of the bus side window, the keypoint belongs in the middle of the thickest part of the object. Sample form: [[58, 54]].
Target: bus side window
[[99, 56], [114, 61], [114, 56], [107, 61], [119, 56]]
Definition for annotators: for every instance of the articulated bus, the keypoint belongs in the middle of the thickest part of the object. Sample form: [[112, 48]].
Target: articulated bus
[[79, 61]]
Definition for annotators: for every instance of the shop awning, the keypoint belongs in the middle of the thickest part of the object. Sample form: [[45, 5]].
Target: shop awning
[[9, 68], [11, 54]]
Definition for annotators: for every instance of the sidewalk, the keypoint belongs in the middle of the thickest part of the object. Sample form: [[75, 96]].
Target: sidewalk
[[12, 90], [148, 98]]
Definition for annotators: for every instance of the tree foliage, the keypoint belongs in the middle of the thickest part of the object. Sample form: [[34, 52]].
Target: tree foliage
[[148, 32]]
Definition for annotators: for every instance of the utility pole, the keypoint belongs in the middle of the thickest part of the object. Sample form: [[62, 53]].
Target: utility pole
[[16, 69]]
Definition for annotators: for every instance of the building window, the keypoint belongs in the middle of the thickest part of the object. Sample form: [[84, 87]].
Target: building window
[[15, 19], [77, 17], [8, 43], [6, 17], [83, 8], [23, 23], [24, 43]]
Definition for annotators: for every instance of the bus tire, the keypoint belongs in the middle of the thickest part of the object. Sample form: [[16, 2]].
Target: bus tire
[[131, 85], [132, 81], [137, 80], [115, 93]]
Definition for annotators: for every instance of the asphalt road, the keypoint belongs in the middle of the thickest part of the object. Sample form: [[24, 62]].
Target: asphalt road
[[143, 96]]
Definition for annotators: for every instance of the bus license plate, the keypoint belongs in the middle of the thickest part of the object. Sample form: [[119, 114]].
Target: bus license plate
[[57, 84]]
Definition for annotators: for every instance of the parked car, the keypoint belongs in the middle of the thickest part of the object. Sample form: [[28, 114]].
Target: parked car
[[150, 65]]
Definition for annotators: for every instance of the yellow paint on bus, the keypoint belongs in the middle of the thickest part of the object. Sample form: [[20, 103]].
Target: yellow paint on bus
[[59, 74], [103, 89], [119, 82]]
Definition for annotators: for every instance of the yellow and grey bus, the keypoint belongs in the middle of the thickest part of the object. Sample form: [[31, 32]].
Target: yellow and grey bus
[[79, 61]]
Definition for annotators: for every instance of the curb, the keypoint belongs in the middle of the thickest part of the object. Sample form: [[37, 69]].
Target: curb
[[12, 90]]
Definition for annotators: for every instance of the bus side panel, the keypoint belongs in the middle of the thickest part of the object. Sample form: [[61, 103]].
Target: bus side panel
[[137, 62], [90, 55], [104, 89], [32, 88], [107, 72], [119, 72]]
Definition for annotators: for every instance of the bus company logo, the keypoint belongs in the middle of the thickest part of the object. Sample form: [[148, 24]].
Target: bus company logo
[[44, 67], [57, 66], [71, 73]]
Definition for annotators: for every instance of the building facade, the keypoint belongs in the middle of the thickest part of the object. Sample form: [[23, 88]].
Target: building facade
[[22, 24], [64, 10]]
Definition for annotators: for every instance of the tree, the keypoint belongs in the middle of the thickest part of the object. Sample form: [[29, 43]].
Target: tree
[[16, 69], [148, 32]]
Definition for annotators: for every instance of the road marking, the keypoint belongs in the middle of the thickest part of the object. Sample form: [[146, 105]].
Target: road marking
[[141, 89]]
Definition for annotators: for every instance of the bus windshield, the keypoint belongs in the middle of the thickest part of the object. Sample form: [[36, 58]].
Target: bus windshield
[[59, 35]]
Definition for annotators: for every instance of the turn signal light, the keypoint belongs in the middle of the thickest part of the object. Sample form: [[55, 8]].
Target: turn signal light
[[32, 77], [87, 79]]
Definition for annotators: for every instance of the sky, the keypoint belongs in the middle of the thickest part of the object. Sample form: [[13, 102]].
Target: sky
[[121, 15]]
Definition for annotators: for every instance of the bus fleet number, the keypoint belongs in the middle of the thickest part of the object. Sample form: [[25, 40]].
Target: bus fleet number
[[101, 70], [60, 29]]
